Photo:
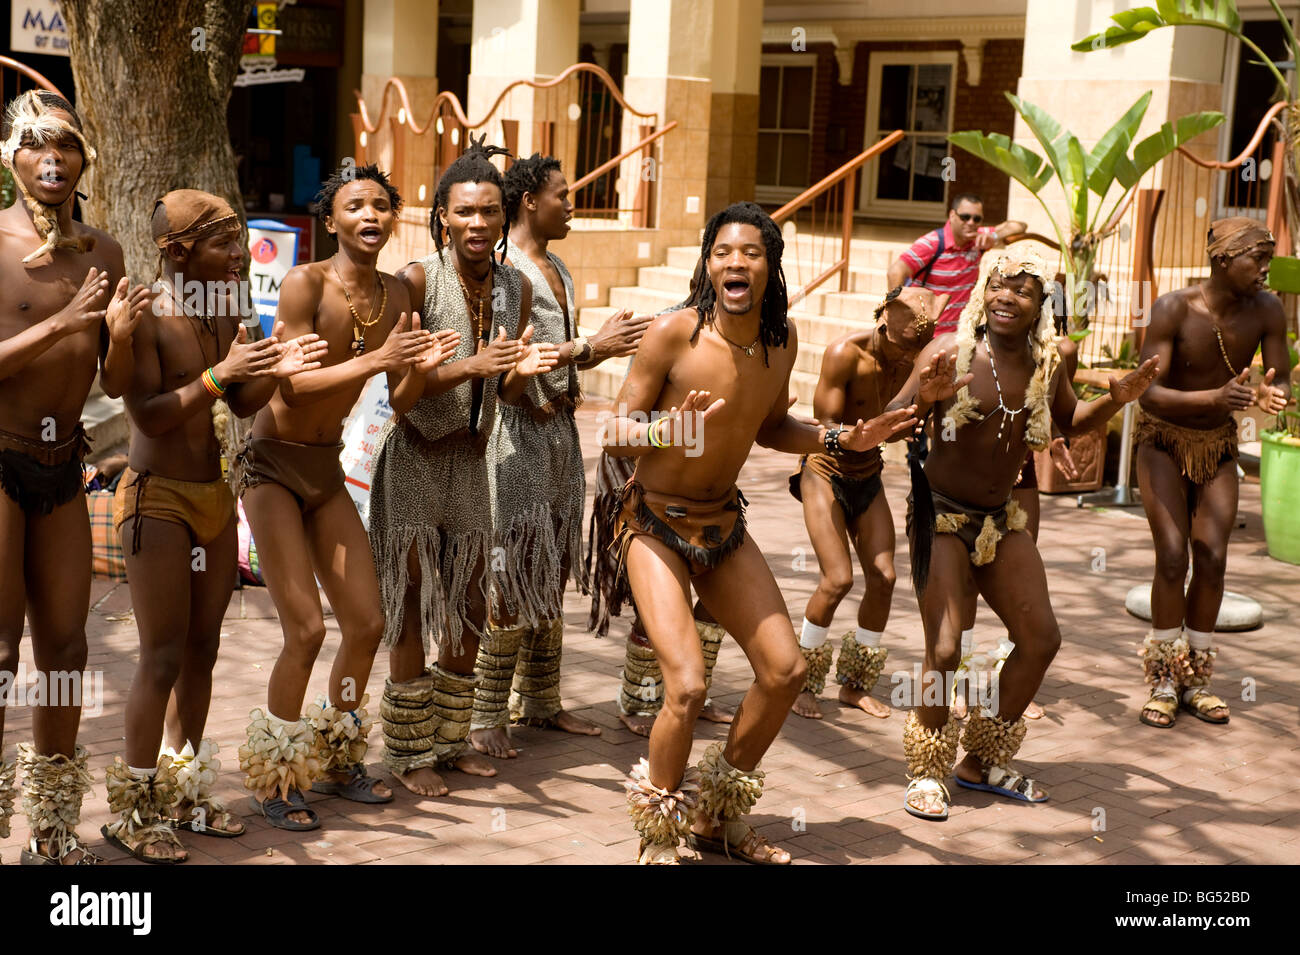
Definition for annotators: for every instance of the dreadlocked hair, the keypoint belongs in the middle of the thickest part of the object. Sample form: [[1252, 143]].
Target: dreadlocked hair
[[349, 173], [772, 328], [473, 165], [526, 175]]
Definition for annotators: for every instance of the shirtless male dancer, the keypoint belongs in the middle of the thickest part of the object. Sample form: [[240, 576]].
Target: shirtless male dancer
[[176, 518], [844, 499], [683, 524], [541, 482], [57, 327], [306, 527], [1205, 338], [641, 682], [963, 522], [432, 501]]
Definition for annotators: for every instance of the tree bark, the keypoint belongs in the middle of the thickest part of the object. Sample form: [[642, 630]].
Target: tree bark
[[154, 107]]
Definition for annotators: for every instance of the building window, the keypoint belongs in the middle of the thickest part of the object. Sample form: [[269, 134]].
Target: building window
[[912, 92], [785, 116]]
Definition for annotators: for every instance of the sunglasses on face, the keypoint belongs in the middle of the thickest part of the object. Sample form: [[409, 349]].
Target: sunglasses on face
[[969, 217]]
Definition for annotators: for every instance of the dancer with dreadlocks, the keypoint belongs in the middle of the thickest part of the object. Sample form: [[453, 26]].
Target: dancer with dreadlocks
[[641, 685], [844, 500], [540, 480], [1204, 337], [713, 379], [431, 507], [998, 395], [175, 517], [302, 517], [59, 323]]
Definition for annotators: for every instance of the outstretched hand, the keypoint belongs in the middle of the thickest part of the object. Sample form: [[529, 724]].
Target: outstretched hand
[[696, 407], [868, 434], [537, 357], [300, 354], [938, 380], [1131, 386], [1269, 398], [124, 311], [1062, 458]]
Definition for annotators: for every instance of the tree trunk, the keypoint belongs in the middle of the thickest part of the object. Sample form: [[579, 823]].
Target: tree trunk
[[152, 91]]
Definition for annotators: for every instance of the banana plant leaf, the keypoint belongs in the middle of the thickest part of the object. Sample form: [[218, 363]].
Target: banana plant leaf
[[1284, 274], [1134, 24]]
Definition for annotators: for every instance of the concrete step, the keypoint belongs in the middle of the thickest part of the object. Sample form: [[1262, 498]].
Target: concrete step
[[665, 278]]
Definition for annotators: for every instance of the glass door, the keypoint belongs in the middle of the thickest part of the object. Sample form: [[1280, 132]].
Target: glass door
[[912, 92]]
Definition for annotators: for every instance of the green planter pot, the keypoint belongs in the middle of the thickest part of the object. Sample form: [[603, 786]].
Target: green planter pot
[[1279, 479]]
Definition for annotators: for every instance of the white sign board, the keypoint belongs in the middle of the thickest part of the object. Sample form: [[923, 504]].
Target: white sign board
[[360, 438], [37, 26], [273, 251]]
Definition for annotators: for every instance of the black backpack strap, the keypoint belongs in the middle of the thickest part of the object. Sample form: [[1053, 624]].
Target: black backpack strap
[[924, 271]]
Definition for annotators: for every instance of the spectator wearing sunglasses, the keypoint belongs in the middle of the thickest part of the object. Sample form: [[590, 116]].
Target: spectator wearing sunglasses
[[947, 260]]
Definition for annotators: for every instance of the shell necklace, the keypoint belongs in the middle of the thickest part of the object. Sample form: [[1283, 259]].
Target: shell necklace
[[358, 326], [1007, 414]]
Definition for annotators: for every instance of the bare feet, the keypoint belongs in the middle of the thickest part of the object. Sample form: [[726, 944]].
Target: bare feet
[[475, 765], [716, 714], [1034, 712], [494, 741], [959, 702], [569, 723], [640, 725], [805, 705], [423, 782], [868, 704]]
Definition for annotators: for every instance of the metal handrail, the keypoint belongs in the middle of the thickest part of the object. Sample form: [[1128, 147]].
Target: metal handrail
[[847, 169], [846, 233], [611, 163], [396, 84], [12, 64]]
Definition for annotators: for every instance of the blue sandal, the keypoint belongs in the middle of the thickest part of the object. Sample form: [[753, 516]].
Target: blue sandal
[[1004, 782]]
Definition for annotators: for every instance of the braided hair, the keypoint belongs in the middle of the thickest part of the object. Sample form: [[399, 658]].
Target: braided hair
[[473, 165], [526, 175], [772, 329], [345, 174]]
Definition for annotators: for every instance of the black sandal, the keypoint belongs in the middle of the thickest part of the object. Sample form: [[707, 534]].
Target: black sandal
[[276, 811], [358, 788]]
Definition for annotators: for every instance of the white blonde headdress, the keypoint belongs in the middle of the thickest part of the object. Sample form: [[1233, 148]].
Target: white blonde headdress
[[1042, 342], [30, 120]]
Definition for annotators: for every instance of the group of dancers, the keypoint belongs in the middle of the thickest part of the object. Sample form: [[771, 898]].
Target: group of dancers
[[475, 523]]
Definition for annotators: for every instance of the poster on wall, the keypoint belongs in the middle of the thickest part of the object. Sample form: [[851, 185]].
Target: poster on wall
[[360, 436], [36, 26], [273, 251]]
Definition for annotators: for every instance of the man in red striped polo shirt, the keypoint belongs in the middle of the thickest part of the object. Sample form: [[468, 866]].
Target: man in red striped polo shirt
[[947, 260]]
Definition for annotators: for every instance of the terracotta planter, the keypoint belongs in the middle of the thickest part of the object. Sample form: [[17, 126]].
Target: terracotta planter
[[1089, 453]]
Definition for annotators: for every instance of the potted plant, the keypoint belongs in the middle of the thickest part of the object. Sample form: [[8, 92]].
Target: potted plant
[[1279, 474]]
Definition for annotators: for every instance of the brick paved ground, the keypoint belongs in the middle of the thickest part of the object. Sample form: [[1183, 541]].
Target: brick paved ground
[[1195, 794]]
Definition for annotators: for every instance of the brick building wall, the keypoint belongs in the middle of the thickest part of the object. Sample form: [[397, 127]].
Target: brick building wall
[[840, 112]]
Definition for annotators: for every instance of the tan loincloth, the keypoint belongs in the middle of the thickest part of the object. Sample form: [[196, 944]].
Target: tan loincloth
[[205, 507], [705, 533]]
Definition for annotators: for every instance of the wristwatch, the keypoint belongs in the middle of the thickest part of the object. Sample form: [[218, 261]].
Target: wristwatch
[[582, 351]]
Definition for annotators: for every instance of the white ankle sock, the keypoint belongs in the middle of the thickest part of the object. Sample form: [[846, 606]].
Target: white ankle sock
[[868, 638], [278, 723], [967, 641], [1198, 640], [1164, 636], [138, 773], [812, 636]]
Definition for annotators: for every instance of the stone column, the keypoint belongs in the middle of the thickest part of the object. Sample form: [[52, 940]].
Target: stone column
[[528, 40], [1088, 92], [733, 104]]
